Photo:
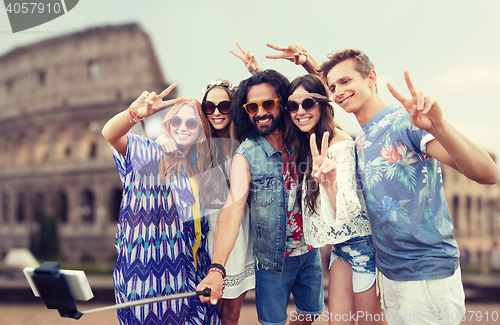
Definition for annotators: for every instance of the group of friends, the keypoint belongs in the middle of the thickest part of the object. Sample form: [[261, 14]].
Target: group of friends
[[243, 188]]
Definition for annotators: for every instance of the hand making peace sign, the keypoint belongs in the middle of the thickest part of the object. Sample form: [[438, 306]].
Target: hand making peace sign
[[148, 103], [248, 59], [294, 52], [425, 112], [323, 169]]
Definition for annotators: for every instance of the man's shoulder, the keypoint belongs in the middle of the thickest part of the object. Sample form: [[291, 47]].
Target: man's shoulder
[[248, 144]]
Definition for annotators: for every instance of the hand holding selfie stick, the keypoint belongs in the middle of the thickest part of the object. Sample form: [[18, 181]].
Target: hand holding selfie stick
[[60, 288]]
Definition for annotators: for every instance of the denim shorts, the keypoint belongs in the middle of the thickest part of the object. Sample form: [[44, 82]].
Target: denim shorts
[[358, 251], [301, 276]]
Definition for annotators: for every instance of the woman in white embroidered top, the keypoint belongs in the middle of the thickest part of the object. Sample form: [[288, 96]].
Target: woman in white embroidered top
[[240, 273], [333, 208]]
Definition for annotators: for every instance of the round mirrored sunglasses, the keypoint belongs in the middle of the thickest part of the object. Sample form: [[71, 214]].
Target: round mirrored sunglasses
[[176, 121], [308, 104]]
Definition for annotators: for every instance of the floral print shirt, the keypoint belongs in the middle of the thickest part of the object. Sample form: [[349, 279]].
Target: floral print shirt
[[295, 242], [402, 185]]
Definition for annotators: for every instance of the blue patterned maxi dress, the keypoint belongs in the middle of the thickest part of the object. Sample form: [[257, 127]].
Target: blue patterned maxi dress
[[154, 242]]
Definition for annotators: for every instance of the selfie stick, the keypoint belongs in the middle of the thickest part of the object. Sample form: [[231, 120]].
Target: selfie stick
[[60, 288]]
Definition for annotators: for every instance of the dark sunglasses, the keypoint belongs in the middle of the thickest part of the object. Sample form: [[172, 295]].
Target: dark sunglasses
[[307, 104], [209, 108], [176, 121], [268, 105]]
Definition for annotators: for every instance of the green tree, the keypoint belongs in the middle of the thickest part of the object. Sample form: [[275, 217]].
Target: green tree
[[45, 242]]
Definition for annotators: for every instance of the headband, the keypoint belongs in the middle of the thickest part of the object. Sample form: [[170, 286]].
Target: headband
[[218, 83], [309, 95]]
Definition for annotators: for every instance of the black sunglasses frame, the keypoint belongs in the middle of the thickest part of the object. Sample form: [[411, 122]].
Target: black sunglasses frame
[[211, 109]]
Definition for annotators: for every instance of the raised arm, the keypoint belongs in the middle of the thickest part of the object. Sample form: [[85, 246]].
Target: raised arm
[[449, 146], [249, 59], [115, 130], [297, 54], [227, 227]]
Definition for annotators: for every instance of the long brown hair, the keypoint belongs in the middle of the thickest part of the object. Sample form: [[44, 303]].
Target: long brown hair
[[229, 88], [298, 141]]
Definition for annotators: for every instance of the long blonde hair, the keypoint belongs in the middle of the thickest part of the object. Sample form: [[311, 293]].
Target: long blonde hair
[[196, 160]]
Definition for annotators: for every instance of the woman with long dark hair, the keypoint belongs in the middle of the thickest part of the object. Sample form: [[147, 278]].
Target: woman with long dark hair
[[333, 208]]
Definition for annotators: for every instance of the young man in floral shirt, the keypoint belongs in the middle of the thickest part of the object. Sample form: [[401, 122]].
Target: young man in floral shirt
[[399, 151]]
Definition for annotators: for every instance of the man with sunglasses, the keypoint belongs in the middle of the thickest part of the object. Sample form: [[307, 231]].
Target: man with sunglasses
[[261, 176]]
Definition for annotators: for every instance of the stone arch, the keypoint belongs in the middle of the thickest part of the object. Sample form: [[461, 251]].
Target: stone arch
[[63, 144], [38, 205], [8, 153], [5, 208], [40, 150], [89, 139], [22, 154], [20, 208], [87, 206], [93, 69], [60, 204], [114, 204]]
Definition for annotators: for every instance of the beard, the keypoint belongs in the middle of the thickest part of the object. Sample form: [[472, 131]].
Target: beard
[[263, 131]]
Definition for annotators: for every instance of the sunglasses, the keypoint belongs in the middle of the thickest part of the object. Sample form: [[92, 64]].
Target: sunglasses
[[307, 104], [268, 105], [176, 121], [209, 108]]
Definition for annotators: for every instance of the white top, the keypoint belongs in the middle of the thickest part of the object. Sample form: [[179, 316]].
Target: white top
[[351, 219], [240, 266]]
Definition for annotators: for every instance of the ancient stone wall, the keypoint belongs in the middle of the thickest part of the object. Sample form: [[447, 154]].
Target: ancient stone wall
[[55, 97]]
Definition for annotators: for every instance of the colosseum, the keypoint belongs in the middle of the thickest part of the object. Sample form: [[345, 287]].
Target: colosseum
[[55, 96]]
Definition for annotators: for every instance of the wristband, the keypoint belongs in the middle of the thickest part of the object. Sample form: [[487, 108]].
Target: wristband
[[220, 267], [134, 116], [216, 269]]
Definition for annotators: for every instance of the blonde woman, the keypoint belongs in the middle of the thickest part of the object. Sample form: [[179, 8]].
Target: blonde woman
[[161, 237]]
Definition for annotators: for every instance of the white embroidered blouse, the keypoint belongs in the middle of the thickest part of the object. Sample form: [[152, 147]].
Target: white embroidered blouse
[[351, 220]]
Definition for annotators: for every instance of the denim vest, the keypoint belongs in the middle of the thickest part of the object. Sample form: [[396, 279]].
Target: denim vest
[[266, 200]]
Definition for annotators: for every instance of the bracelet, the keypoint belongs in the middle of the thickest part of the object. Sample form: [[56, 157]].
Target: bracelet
[[134, 116], [216, 269], [220, 267]]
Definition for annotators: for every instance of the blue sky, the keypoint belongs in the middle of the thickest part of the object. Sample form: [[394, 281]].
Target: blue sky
[[450, 48]]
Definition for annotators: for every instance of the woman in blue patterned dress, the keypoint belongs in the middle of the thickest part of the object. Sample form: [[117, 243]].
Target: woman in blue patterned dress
[[160, 241]]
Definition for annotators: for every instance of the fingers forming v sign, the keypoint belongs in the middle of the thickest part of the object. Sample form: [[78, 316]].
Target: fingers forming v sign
[[323, 169], [424, 111], [148, 103], [294, 52], [248, 59]]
